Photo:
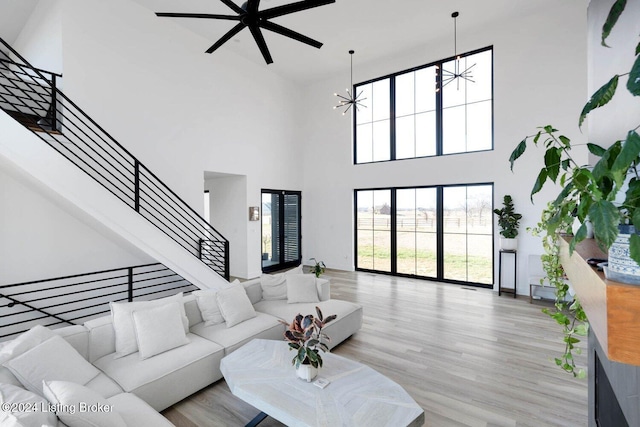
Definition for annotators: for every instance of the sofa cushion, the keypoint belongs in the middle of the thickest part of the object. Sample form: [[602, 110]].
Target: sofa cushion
[[136, 412], [208, 305], [253, 289], [102, 337], [159, 329], [274, 286], [168, 377], [121, 314], [53, 359], [262, 326], [80, 406], [24, 342], [25, 408], [192, 310], [104, 386], [77, 336], [235, 305], [301, 288], [349, 318]]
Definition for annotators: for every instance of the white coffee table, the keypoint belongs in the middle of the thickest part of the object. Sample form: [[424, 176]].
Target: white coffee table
[[261, 374]]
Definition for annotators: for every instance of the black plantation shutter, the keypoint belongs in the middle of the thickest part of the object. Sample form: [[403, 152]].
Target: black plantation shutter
[[291, 227]]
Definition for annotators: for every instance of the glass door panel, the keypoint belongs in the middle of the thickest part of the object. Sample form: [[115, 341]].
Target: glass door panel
[[373, 230], [281, 240]]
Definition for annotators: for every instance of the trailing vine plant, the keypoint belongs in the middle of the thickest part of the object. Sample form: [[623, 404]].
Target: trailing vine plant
[[588, 194], [568, 314]]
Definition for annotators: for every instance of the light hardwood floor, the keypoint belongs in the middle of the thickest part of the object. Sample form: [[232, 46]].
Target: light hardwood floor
[[467, 356]]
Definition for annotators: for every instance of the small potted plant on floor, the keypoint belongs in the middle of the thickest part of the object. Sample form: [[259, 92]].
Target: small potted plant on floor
[[318, 268], [508, 221], [305, 335]]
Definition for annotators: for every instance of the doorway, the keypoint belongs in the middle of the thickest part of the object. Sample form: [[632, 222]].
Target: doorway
[[281, 229]]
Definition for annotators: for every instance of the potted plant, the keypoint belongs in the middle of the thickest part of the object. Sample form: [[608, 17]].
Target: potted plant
[[607, 194], [305, 335], [508, 221], [318, 268]]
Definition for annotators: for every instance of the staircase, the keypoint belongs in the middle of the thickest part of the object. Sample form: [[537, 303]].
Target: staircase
[[48, 137]]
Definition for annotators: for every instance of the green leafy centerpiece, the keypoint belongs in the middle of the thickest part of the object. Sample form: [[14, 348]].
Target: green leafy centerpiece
[[305, 335]]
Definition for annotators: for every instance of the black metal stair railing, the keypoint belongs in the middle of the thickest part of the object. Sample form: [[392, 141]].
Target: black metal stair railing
[[77, 298], [31, 96]]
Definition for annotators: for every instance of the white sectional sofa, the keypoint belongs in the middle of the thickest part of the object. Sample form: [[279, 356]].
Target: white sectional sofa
[[138, 388]]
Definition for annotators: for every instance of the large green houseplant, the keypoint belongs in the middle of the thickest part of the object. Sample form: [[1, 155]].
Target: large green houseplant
[[607, 194], [508, 221]]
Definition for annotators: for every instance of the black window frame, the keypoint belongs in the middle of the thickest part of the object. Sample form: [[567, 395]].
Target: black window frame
[[438, 110], [439, 234]]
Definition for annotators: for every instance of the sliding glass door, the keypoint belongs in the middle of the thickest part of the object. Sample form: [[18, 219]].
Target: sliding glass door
[[281, 226], [439, 232]]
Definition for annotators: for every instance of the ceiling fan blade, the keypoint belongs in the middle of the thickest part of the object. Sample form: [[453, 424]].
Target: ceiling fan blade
[[252, 6], [198, 15], [290, 33], [232, 32], [259, 38], [293, 7], [237, 9]]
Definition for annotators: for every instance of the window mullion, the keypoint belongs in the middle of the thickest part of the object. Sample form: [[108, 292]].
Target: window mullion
[[439, 121], [392, 118]]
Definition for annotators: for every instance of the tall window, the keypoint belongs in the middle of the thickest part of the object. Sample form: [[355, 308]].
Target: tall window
[[411, 114], [440, 232]]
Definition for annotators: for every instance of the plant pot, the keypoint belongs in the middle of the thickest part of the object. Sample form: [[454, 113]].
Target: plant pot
[[621, 267], [508, 244], [306, 372]]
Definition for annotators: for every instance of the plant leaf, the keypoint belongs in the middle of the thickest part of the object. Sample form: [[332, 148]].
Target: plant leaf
[[634, 247], [552, 162], [542, 177], [614, 14], [605, 218], [519, 151], [628, 154], [596, 149], [638, 49], [601, 97], [580, 235], [633, 84]]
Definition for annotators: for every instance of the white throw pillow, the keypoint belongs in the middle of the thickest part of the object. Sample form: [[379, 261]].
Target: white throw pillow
[[273, 287], [21, 407], [24, 342], [123, 321], [159, 329], [54, 359], [79, 406], [235, 305], [208, 305], [302, 288]]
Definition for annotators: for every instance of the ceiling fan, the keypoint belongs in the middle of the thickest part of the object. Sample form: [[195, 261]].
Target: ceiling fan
[[249, 16]]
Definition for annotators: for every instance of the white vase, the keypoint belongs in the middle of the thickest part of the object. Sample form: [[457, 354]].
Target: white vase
[[621, 267], [306, 372], [508, 244]]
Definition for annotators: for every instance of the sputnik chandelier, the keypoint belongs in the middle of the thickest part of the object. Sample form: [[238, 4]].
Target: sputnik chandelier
[[350, 100], [456, 74]]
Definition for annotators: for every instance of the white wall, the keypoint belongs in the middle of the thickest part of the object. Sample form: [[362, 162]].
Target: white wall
[[40, 41], [42, 239], [612, 122], [539, 79], [228, 199]]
